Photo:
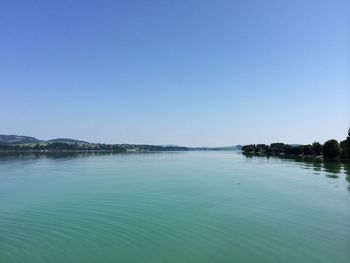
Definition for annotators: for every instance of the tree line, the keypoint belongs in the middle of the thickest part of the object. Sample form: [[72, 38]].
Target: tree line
[[330, 149], [75, 147]]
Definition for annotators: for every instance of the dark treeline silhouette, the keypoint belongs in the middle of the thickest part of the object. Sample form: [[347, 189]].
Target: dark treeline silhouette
[[331, 149], [88, 147]]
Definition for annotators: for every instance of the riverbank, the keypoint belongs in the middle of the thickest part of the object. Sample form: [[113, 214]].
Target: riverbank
[[330, 150]]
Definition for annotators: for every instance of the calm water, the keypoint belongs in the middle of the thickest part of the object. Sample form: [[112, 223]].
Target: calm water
[[173, 207]]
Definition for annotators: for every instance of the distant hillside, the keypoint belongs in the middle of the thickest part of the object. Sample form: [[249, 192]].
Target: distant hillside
[[26, 143], [66, 140], [20, 139]]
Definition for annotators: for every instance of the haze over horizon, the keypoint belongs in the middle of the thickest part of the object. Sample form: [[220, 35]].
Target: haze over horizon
[[191, 73]]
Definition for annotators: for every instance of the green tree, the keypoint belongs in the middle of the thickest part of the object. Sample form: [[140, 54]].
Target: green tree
[[317, 148], [308, 149], [331, 149], [249, 148], [345, 145], [277, 147]]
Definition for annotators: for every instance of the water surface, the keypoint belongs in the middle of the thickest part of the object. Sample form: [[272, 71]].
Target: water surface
[[172, 207]]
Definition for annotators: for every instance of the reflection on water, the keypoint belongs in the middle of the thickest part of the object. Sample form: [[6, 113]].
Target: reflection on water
[[330, 168], [347, 173], [51, 155], [11, 157], [317, 166]]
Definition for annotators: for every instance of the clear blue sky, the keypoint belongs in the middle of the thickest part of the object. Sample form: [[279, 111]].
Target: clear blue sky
[[176, 72]]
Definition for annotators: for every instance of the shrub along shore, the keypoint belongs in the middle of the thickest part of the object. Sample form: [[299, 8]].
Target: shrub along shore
[[331, 149]]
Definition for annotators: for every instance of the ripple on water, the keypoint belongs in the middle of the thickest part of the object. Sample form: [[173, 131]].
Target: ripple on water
[[165, 213]]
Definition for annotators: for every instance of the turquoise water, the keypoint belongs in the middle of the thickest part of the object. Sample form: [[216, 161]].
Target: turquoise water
[[172, 207]]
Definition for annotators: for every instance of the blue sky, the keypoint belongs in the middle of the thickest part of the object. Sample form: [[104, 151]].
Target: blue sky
[[176, 72]]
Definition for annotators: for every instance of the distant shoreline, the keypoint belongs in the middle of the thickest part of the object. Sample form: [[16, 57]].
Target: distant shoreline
[[91, 147]]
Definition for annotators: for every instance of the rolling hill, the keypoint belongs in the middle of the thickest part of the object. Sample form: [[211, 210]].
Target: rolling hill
[[21, 139]]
